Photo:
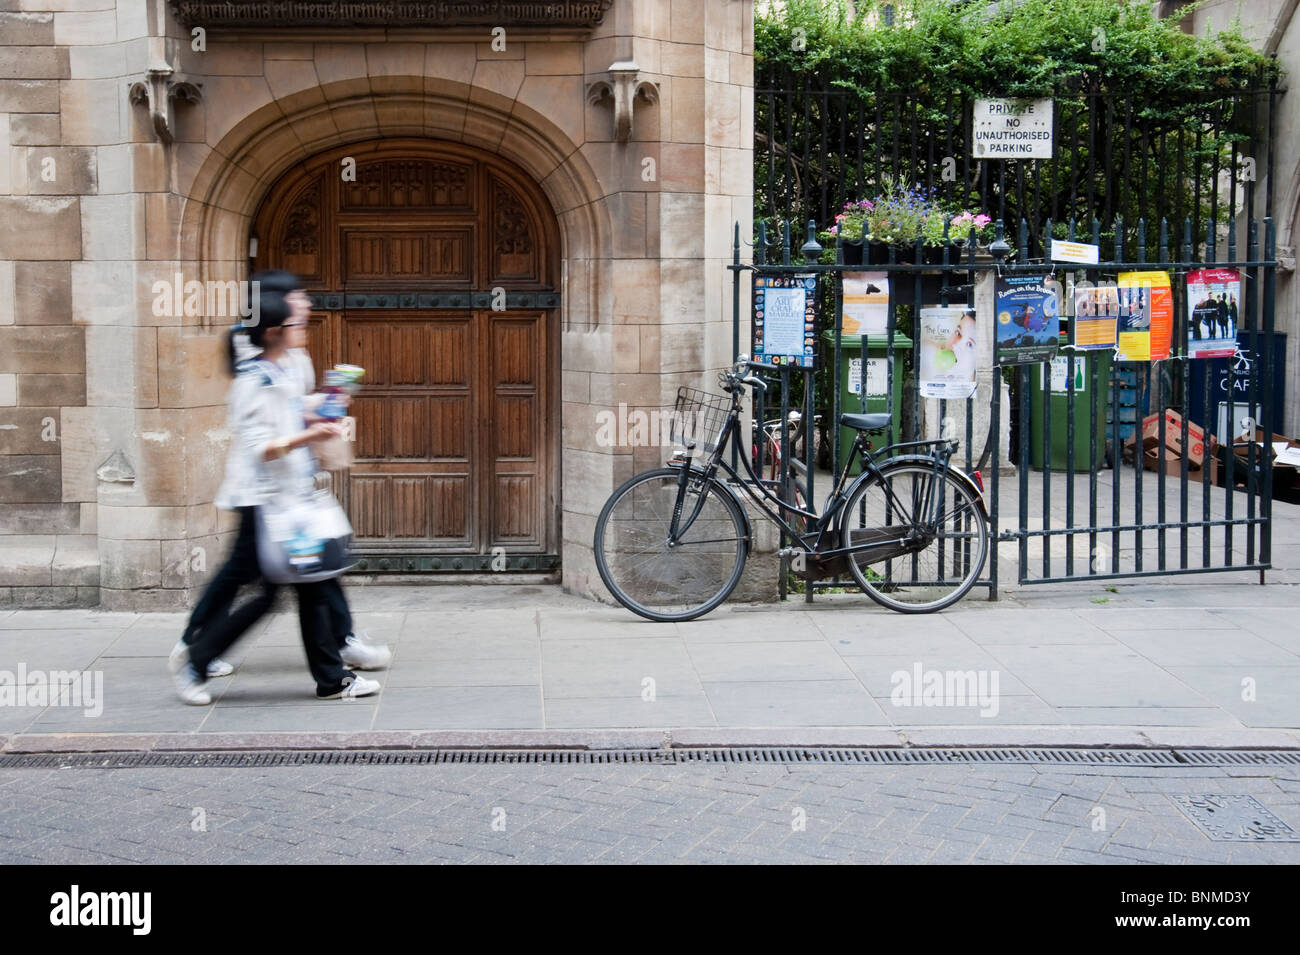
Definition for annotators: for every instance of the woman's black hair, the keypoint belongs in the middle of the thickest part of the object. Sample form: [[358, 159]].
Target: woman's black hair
[[275, 280], [272, 312]]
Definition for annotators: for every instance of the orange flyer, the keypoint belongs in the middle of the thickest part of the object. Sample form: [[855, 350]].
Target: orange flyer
[[1146, 316]]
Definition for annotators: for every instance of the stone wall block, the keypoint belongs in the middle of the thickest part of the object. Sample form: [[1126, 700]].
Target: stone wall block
[[76, 561], [26, 29], [35, 62], [61, 171], [40, 228], [29, 96], [37, 350], [91, 112], [25, 560], [129, 564], [51, 390], [34, 129], [30, 479], [40, 519]]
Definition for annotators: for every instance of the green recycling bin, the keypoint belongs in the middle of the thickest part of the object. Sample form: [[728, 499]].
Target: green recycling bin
[[1050, 377], [877, 382]]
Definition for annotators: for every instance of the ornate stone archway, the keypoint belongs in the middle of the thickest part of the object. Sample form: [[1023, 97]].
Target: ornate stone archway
[[245, 163]]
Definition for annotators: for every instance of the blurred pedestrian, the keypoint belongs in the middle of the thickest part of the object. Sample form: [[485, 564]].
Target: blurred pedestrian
[[268, 460]]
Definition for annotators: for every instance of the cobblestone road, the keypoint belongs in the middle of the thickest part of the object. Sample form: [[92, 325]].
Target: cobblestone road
[[627, 813]]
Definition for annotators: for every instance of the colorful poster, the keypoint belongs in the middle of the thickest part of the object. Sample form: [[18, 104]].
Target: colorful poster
[[1146, 316], [948, 353], [1213, 300], [865, 304], [1028, 320], [1096, 315], [785, 316]]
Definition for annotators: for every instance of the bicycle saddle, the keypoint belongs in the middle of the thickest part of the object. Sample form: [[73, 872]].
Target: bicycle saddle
[[866, 422]]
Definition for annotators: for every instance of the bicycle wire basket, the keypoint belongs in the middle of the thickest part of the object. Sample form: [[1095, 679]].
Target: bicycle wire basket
[[699, 419]]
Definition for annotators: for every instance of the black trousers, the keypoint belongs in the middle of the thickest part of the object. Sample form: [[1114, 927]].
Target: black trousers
[[241, 569], [322, 607]]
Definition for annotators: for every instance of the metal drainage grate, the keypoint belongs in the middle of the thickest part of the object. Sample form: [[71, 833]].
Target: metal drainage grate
[[1234, 818], [776, 756]]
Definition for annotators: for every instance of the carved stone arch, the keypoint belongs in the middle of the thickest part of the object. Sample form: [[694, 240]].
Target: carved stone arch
[[233, 182], [415, 177]]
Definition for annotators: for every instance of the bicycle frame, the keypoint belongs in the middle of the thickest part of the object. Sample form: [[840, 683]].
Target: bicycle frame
[[811, 541]]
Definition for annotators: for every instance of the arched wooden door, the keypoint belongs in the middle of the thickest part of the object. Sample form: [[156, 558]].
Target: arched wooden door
[[434, 267]]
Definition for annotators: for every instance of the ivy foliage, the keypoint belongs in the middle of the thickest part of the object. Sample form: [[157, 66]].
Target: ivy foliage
[[1146, 115], [941, 48]]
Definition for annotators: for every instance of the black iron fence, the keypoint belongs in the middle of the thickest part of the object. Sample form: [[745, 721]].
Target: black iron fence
[[1114, 158], [1162, 482]]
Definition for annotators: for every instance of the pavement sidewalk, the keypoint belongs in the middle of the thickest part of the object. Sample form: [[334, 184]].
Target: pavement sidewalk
[[1183, 661]]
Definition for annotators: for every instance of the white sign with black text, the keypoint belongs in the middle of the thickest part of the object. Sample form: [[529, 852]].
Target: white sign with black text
[[1011, 129]]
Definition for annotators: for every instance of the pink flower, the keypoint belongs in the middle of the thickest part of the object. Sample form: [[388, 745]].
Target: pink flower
[[866, 204], [835, 230], [839, 217], [982, 220]]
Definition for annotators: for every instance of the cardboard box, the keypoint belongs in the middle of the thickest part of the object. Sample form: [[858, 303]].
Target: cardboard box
[[1171, 464], [1286, 478], [1173, 426]]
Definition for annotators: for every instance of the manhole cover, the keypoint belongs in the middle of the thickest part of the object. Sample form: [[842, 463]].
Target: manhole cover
[[1234, 818]]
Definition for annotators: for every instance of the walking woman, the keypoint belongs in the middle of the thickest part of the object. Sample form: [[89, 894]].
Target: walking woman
[[269, 458], [357, 652]]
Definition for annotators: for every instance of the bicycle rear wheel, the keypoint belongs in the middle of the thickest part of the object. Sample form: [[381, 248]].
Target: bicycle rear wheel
[[662, 582], [902, 566]]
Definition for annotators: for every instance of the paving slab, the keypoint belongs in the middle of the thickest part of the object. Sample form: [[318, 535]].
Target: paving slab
[[1165, 657]]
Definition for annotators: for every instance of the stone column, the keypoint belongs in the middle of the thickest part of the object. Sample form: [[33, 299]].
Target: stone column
[[672, 195]]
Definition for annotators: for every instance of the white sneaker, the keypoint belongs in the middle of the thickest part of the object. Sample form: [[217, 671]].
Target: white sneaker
[[216, 668], [353, 687], [219, 667], [360, 655], [188, 686]]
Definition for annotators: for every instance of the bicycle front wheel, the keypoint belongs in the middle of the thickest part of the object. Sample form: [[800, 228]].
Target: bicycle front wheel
[[903, 561], [664, 580]]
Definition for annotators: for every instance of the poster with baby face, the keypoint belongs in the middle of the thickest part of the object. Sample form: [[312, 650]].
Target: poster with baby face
[[948, 352], [1028, 320]]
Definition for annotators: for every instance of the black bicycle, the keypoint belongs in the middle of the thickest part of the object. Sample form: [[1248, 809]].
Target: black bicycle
[[671, 543]]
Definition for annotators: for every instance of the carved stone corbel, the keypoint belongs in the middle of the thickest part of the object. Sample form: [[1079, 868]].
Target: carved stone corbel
[[157, 92], [623, 89]]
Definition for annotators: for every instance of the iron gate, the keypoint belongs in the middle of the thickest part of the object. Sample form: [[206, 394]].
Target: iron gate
[[1146, 523]]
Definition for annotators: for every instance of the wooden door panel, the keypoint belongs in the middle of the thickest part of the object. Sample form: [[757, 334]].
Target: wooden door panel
[[516, 510], [514, 426], [448, 351], [449, 500], [408, 362], [367, 506], [454, 433], [415, 426], [409, 508], [517, 415], [449, 434]]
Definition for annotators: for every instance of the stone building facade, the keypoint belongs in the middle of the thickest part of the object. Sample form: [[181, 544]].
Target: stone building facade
[[516, 216], [1273, 28]]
